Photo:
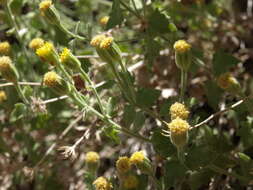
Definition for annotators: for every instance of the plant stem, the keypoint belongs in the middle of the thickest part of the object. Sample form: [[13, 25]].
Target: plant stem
[[20, 93], [183, 85], [129, 9], [65, 30]]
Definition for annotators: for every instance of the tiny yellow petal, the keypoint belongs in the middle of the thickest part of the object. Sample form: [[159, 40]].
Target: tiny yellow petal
[[123, 164], [92, 157], [5, 48], [181, 46], [137, 158], [95, 42], [51, 79], [36, 43], [106, 43]]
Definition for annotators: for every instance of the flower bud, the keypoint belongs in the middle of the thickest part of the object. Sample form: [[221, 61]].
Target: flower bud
[[47, 53], [3, 96], [68, 59], [179, 132], [49, 12], [182, 54], [142, 162], [227, 82], [102, 183], [131, 182], [36, 43], [5, 48], [92, 161], [106, 48], [123, 165], [7, 69], [54, 81], [178, 110], [104, 20]]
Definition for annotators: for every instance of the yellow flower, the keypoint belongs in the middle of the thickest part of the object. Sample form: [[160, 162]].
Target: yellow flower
[[7, 69], [131, 182], [123, 164], [92, 157], [137, 158], [51, 79], [5, 48], [179, 132], [3, 96], [104, 20], [178, 110], [44, 5], [47, 53], [36, 43], [102, 183], [181, 46], [106, 43], [225, 80], [5, 63], [95, 42], [64, 56]]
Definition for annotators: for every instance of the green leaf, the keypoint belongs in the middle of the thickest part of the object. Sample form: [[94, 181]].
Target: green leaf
[[222, 62], [116, 16], [129, 115], [213, 93], [174, 173], [18, 112], [112, 102], [147, 97], [138, 121], [153, 48], [112, 133], [162, 144], [159, 22], [199, 178]]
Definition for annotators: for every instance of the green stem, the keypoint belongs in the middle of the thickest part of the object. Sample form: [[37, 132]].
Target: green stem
[[130, 10], [20, 93], [183, 85], [85, 77], [65, 30]]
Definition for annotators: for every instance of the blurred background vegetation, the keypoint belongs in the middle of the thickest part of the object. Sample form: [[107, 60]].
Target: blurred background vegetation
[[220, 32]]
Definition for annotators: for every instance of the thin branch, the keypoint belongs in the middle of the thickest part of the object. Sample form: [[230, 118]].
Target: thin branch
[[49, 150], [21, 83], [96, 56], [55, 99], [220, 112]]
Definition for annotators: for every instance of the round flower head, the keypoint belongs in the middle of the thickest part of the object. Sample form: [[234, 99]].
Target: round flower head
[[64, 56], [5, 63], [5, 48], [47, 52], [178, 110], [3, 96], [181, 46], [137, 157], [102, 183], [131, 182], [36, 43], [51, 79], [123, 164], [68, 59], [104, 20], [92, 157], [224, 80], [44, 5], [106, 43], [7, 69], [95, 42], [179, 131]]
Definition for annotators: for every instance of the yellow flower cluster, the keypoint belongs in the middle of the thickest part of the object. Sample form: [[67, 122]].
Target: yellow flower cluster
[[104, 20], [95, 42], [137, 158], [64, 56], [123, 164], [45, 51], [36, 43], [92, 157], [44, 5], [106, 43], [131, 182], [181, 46], [5, 48], [3, 96], [178, 126], [5, 63], [226, 80], [51, 79], [179, 110], [102, 183]]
